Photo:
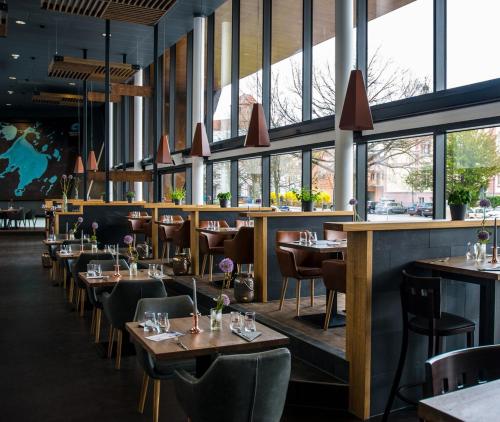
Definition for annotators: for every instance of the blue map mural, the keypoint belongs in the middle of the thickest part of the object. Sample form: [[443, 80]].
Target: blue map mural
[[32, 158]]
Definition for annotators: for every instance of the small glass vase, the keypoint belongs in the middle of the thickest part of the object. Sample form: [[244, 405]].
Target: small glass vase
[[215, 319], [65, 203], [480, 250], [76, 193], [94, 246], [132, 270]]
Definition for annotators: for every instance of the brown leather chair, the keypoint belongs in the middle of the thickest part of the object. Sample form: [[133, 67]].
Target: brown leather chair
[[334, 277], [334, 235], [136, 227], [211, 245], [240, 248], [240, 223], [148, 229], [181, 237], [297, 264], [165, 234]]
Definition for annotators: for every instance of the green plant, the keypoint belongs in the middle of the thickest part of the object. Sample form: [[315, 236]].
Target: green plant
[[178, 194], [459, 196], [224, 196], [307, 195], [130, 194]]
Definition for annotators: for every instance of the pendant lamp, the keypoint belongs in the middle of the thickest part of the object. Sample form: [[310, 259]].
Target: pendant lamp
[[91, 161], [200, 146], [78, 165], [257, 134], [356, 114], [163, 154]]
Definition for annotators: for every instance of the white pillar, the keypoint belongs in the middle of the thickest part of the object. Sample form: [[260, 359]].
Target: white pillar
[[225, 58], [198, 104], [111, 149], [138, 135], [344, 147]]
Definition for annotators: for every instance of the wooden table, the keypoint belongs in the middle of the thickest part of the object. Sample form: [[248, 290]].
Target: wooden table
[[141, 217], [474, 404], [6, 214], [173, 223], [205, 345], [468, 271], [109, 280], [321, 246], [223, 230]]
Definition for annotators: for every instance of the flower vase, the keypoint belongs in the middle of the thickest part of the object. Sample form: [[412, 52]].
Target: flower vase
[[215, 319], [94, 246], [480, 250], [132, 268], [71, 235], [76, 192], [65, 203]]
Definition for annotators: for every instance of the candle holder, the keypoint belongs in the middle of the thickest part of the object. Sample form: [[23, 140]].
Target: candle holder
[[195, 329], [494, 255], [117, 274]]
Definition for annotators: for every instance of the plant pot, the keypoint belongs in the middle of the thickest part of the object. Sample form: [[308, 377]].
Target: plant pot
[[244, 288], [307, 206], [215, 319], [129, 200], [224, 203], [177, 201], [458, 211]]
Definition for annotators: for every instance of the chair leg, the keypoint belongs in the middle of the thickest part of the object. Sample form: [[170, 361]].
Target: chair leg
[[111, 340], [71, 289], [98, 316], [211, 267], [92, 324], [168, 251], [82, 302], [78, 296], [312, 292], [283, 292], [203, 265], [470, 339], [156, 401], [297, 294], [163, 250], [329, 306], [119, 338], [144, 392]]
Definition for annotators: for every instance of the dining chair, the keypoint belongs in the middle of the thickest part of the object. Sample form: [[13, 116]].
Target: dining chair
[[334, 278], [181, 237], [422, 314], [120, 305], [245, 387], [240, 248], [211, 245], [165, 235], [297, 264], [176, 307]]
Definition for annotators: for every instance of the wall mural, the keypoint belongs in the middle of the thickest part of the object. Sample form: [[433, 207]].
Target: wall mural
[[33, 155]]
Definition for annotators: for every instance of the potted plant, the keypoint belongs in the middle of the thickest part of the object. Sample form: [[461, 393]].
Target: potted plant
[[224, 199], [130, 196], [458, 199], [307, 198], [178, 196]]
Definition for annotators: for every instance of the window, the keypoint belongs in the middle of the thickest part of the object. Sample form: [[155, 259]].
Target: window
[[286, 177], [286, 62], [472, 31], [249, 181], [400, 179], [322, 172], [180, 93], [221, 177], [171, 181], [166, 91], [222, 73], [250, 83], [400, 49]]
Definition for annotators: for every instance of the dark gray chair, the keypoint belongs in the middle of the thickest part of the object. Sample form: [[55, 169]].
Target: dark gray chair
[[176, 307], [243, 388], [119, 307]]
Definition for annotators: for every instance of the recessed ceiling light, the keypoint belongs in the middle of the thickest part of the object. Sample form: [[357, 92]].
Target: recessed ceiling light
[[12, 78], [20, 22], [15, 56], [10, 92], [8, 104], [104, 34], [71, 83]]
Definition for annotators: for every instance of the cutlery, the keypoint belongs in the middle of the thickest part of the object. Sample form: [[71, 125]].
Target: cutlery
[[181, 344]]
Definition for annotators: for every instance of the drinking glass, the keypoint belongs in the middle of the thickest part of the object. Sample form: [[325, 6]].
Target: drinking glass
[[90, 270], [98, 270], [68, 249], [151, 270], [249, 321], [163, 322], [158, 271], [217, 225], [235, 321], [314, 238], [149, 321], [303, 237], [251, 223]]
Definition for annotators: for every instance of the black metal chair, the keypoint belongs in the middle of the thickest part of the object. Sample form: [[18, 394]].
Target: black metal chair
[[421, 312], [247, 387], [176, 307]]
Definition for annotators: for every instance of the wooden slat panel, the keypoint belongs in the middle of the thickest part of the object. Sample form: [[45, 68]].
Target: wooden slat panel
[[122, 176], [131, 90], [99, 97]]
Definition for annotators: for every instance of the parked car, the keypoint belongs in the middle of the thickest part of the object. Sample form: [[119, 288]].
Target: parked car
[[425, 210], [370, 206], [390, 208], [479, 212], [411, 209]]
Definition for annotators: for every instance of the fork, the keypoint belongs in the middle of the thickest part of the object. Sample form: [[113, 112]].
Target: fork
[[181, 344]]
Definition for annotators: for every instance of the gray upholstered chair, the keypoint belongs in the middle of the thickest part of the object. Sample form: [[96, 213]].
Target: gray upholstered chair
[[119, 308], [176, 307], [243, 388]]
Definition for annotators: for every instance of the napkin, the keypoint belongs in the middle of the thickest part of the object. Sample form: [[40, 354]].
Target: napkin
[[248, 335], [164, 336]]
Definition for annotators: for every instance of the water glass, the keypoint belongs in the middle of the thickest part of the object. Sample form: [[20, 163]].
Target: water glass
[[163, 322], [251, 223], [303, 237], [68, 249], [216, 225], [98, 270], [149, 321], [151, 270], [90, 270], [235, 321], [158, 271], [314, 237], [249, 321]]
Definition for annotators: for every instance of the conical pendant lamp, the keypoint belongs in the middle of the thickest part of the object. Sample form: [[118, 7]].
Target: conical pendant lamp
[[356, 114], [200, 147], [78, 165], [91, 161], [163, 154], [257, 134]]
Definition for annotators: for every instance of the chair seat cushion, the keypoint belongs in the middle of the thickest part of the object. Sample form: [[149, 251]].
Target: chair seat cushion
[[446, 325], [310, 271], [165, 369], [216, 250]]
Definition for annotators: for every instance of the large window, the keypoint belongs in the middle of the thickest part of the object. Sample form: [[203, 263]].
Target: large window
[[222, 73], [286, 62], [400, 177], [171, 181], [322, 171], [400, 49], [286, 178], [249, 181], [180, 93], [250, 79], [166, 91], [222, 178], [473, 31]]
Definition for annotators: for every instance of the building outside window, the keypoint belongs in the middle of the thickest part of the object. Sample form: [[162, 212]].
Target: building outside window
[[180, 93], [249, 181], [171, 181], [322, 173], [286, 179], [221, 178]]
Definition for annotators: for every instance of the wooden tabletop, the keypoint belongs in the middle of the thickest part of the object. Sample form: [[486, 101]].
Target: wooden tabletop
[[72, 255], [321, 246], [207, 342], [164, 223], [141, 217], [222, 230], [474, 404], [10, 209], [109, 280], [461, 265]]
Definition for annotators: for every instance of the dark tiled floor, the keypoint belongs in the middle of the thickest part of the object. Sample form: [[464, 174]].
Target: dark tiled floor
[[51, 371]]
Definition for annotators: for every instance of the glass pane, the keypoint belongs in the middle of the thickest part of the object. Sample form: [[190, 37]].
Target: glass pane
[[249, 181], [400, 49], [180, 180], [222, 73], [286, 177], [222, 178], [400, 177], [250, 61], [166, 185], [472, 28], [322, 171], [286, 62], [180, 93]]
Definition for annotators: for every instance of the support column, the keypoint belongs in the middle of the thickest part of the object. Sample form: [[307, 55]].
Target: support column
[[107, 119], [156, 114], [111, 150], [138, 141], [85, 130], [198, 103], [343, 139]]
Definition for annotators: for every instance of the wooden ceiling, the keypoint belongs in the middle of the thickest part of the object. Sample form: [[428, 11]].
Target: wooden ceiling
[[70, 100], [145, 12]]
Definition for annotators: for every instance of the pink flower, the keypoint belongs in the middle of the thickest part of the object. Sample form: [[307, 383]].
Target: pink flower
[[353, 201], [80, 220], [95, 226], [128, 239], [226, 265], [64, 177], [225, 299], [483, 235], [485, 203]]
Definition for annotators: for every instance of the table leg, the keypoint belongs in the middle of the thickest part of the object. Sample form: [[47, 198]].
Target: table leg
[[489, 318]]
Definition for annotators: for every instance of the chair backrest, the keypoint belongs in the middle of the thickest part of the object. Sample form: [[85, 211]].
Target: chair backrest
[[182, 235], [240, 248], [334, 274], [257, 384], [334, 235], [301, 256], [462, 368], [81, 262], [135, 225], [175, 306], [109, 264], [421, 296]]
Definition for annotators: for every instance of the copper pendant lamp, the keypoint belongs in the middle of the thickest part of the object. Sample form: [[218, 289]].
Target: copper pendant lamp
[[200, 146], [91, 161], [163, 154], [257, 134], [356, 114], [78, 165]]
